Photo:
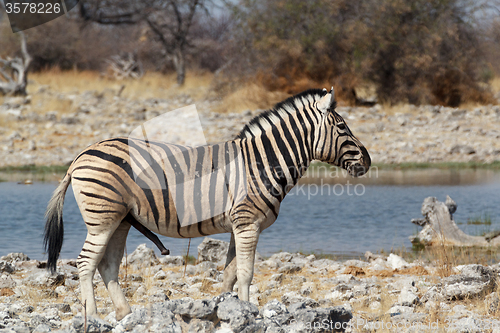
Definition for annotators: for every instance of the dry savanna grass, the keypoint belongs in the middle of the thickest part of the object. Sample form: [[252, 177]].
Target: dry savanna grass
[[198, 85], [6, 292], [62, 84], [249, 97], [445, 258], [495, 85], [151, 85]]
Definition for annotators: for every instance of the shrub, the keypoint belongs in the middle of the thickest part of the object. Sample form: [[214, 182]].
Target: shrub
[[414, 51]]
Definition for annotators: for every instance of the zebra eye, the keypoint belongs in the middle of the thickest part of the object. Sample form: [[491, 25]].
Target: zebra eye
[[341, 126]]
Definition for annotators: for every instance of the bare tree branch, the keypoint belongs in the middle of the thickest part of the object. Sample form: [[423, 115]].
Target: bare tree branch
[[15, 71], [154, 27], [169, 20], [124, 66]]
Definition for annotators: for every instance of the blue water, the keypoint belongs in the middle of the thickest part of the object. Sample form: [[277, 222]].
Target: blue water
[[377, 217]]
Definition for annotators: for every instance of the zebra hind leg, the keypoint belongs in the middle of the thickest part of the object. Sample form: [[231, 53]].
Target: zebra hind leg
[[93, 250], [229, 278], [109, 268]]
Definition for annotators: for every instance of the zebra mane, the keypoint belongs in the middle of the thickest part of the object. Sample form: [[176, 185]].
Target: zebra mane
[[283, 109]]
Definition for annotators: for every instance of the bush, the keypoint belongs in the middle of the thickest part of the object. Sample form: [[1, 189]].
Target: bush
[[72, 43], [414, 51], [425, 52]]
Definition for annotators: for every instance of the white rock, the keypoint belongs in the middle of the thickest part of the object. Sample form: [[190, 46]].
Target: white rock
[[140, 292], [143, 257], [375, 305], [396, 262], [400, 309], [6, 281], [408, 297]]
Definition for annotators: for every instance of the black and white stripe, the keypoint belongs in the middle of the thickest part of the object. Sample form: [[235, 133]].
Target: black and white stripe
[[236, 186]]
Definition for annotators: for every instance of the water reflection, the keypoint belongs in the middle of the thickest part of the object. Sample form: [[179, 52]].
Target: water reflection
[[411, 177]]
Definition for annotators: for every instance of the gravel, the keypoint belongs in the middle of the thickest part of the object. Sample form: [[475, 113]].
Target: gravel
[[317, 298], [413, 134]]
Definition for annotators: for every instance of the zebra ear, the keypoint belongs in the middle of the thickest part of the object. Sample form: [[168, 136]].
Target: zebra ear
[[327, 101]]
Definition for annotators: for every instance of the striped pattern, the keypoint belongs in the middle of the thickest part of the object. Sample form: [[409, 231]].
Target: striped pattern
[[177, 191]]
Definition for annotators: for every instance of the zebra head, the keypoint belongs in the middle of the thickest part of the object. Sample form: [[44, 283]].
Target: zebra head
[[335, 143]]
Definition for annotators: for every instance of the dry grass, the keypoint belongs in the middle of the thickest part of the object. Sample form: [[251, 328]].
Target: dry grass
[[34, 295], [44, 104], [366, 90], [399, 108], [61, 84], [444, 257], [6, 292], [415, 270], [447, 257], [495, 85], [250, 97], [198, 85], [151, 85], [355, 271]]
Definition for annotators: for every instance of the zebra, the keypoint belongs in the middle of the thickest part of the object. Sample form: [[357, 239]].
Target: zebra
[[121, 182]]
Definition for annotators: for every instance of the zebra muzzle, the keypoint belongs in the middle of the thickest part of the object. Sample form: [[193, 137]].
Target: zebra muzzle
[[357, 170]]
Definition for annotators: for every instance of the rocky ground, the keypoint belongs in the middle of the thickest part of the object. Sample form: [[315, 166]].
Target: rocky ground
[[290, 293], [31, 135]]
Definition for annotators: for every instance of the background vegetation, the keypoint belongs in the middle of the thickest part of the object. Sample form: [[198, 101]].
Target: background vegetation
[[413, 51]]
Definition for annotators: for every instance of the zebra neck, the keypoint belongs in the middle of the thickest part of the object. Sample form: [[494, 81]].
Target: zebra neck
[[277, 162]]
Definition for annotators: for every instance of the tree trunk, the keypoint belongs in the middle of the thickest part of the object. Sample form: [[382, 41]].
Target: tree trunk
[[179, 65], [439, 228]]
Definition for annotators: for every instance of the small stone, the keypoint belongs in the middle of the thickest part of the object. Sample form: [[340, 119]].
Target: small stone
[[143, 257], [375, 306], [407, 297], [172, 260], [240, 314], [6, 281], [213, 250], [42, 328], [15, 257], [32, 145], [6, 267], [396, 262], [462, 149], [290, 268], [492, 303], [398, 309]]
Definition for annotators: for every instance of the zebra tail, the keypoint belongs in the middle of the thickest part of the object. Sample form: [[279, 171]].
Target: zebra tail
[[54, 228]]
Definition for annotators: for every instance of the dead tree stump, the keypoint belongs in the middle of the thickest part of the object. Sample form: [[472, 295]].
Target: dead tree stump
[[439, 228], [14, 71]]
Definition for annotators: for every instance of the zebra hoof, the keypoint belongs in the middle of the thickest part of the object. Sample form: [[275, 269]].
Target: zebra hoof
[[120, 314]]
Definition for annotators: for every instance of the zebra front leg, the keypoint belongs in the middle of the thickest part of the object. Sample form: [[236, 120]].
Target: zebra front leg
[[229, 278], [246, 239], [109, 268]]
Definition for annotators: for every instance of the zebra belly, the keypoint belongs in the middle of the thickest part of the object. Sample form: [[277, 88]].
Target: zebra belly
[[174, 228]]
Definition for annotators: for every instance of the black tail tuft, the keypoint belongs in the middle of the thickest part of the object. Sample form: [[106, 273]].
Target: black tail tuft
[[53, 240], [54, 228]]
